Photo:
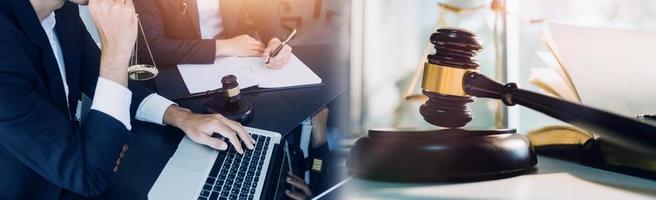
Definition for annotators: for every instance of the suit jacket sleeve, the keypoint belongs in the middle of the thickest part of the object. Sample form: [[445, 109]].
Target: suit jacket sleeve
[[78, 158], [170, 51]]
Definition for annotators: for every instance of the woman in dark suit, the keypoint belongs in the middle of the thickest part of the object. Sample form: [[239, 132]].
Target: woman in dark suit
[[198, 31]]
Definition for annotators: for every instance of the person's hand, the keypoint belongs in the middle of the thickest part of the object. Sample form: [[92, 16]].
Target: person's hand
[[243, 45], [201, 127], [116, 22], [279, 60], [302, 190]]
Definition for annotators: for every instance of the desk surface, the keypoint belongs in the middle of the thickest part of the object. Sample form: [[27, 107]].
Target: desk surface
[[555, 179], [278, 111]]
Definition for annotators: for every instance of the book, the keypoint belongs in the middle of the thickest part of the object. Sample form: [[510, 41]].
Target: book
[[250, 72], [558, 135], [571, 143], [607, 69]]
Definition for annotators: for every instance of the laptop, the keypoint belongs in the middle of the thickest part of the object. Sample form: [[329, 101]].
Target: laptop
[[199, 172]]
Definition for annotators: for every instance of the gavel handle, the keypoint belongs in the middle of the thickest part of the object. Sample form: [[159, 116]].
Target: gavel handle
[[626, 132]]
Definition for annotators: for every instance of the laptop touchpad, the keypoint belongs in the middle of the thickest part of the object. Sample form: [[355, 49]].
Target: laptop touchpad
[[193, 156]]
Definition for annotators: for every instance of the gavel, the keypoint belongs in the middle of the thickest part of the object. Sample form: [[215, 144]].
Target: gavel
[[229, 101], [451, 80]]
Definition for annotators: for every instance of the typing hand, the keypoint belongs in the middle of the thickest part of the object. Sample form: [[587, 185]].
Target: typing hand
[[302, 190], [116, 22], [201, 127], [243, 45], [279, 60]]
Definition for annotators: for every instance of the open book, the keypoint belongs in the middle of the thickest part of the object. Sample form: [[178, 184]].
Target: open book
[[608, 69], [250, 71]]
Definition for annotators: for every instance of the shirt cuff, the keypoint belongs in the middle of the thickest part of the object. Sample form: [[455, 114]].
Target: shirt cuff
[[152, 109], [114, 100]]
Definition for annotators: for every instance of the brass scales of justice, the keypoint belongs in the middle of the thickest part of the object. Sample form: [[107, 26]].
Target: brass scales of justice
[[228, 102], [142, 72]]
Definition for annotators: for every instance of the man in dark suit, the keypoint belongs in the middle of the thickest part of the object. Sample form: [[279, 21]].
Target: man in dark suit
[[47, 61], [198, 31]]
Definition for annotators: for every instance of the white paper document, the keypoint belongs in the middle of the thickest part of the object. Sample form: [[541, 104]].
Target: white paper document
[[250, 71], [613, 70]]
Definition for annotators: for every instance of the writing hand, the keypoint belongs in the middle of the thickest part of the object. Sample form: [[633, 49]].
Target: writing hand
[[279, 60]]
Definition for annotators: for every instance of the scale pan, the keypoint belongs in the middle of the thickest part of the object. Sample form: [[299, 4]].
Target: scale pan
[[142, 72]]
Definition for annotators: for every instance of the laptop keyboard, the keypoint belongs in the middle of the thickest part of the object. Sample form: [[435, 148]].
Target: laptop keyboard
[[234, 175]]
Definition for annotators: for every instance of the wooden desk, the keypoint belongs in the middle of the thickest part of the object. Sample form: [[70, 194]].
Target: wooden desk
[[554, 179]]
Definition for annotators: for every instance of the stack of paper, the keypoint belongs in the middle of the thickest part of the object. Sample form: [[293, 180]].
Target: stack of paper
[[250, 71]]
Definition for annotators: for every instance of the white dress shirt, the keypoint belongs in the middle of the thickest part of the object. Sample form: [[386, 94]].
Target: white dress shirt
[[110, 98], [209, 18]]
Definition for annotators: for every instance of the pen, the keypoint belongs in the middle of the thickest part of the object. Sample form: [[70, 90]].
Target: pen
[[277, 50]]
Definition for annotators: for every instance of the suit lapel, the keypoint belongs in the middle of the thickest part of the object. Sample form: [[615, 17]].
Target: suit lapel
[[230, 11], [192, 13], [31, 26]]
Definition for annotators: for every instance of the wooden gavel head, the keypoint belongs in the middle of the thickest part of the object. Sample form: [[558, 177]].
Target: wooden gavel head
[[230, 88], [230, 102], [442, 82]]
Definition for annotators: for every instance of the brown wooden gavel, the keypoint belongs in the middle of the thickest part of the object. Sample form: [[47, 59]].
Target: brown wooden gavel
[[451, 80], [229, 101]]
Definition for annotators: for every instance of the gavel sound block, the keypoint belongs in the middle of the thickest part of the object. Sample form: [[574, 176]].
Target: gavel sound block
[[407, 155], [451, 153], [450, 81], [229, 102]]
